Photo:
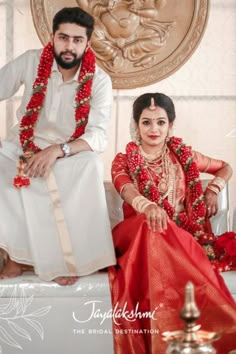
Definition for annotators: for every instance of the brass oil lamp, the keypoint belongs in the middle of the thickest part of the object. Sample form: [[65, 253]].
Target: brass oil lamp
[[191, 340]]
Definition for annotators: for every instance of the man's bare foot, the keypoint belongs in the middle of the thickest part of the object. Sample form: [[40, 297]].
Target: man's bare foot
[[3, 259], [66, 280], [11, 270]]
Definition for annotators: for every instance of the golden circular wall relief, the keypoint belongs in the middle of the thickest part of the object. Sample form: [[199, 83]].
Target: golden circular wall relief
[[138, 42]]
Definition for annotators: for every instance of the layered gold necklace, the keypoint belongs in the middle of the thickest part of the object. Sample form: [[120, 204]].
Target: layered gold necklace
[[161, 165]]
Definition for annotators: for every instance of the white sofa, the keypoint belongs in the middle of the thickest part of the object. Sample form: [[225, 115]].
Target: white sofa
[[71, 319]]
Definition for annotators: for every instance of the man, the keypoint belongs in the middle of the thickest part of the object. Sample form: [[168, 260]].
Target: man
[[54, 215]]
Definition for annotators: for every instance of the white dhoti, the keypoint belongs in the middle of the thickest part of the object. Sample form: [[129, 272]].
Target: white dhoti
[[59, 225]]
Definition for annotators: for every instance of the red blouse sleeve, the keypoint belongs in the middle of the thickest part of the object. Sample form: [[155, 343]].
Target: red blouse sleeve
[[207, 164], [120, 172]]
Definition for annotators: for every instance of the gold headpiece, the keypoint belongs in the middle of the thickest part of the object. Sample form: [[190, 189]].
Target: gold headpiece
[[152, 106]]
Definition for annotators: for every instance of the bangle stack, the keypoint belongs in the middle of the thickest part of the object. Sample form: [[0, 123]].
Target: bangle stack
[[216, 185], [139, 203]]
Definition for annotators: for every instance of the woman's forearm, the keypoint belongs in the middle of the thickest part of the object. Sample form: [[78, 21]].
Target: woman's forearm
[[225, 172]]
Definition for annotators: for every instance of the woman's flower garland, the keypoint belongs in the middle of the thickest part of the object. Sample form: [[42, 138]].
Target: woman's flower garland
[[193, 219], [29, 120]]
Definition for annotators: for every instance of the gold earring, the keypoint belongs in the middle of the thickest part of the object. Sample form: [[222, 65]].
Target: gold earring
[[138, 139], [167, 137]]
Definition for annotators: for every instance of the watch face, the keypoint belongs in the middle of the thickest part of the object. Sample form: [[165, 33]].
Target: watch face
[[66, 149]]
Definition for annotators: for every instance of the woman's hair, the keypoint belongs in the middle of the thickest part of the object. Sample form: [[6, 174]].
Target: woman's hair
[[161, 100], [74, 15]]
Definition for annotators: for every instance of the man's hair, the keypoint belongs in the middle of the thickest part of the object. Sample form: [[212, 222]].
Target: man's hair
[[74, 15]]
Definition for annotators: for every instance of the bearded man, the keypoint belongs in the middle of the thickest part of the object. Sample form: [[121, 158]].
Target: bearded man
[[53, 208]]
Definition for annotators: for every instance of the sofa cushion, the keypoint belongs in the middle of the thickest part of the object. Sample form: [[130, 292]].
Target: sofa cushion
[[230, 281]]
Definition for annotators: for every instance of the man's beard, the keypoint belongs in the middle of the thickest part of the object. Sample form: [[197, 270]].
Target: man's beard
[[66, 64]]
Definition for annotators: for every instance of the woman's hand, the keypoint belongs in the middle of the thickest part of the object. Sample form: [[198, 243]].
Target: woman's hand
[[157, 218], [211, 201], [40, 163]]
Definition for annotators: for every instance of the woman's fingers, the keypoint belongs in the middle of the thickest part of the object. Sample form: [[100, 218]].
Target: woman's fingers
[[153, 223], [157, 218], [165, 222], [212, 210], [211, 200]]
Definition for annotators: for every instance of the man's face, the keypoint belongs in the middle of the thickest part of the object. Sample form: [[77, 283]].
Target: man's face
[[69, 44]]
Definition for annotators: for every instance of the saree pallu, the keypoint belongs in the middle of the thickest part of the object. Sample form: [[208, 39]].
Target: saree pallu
[[148, 285]]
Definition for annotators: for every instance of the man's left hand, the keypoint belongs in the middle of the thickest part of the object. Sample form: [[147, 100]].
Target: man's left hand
[[40, 163]]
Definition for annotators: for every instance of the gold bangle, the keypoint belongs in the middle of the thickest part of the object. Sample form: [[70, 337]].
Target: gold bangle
[[213, 189], [208, 165], [123, 187], [218, 182], [139, 203], [146, 205], [136, 201]]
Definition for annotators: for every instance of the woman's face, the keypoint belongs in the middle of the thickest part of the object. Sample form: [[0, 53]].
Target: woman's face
[[153, 127]]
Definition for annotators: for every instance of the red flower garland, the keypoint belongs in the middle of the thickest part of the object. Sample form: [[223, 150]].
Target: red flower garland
[[29, 120], [193, 219]]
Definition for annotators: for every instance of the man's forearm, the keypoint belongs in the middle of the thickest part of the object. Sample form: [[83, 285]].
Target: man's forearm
[[77, 146]]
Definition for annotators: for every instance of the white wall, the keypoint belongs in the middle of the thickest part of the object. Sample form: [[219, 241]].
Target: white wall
[[204, 89]]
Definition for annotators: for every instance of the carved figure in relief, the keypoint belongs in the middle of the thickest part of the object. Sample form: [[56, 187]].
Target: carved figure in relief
[[127, 31]]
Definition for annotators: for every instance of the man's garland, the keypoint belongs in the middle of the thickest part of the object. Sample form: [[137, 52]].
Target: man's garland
[[29, 120], [193, 219]]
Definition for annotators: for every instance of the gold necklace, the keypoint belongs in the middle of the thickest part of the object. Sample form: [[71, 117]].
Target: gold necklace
[[159, 164], [152, 157]]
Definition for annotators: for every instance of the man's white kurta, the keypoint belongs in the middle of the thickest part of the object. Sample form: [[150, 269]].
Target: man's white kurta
[[60, 225]]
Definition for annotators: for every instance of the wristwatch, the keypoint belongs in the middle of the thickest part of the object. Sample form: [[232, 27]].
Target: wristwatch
[[66, 149]]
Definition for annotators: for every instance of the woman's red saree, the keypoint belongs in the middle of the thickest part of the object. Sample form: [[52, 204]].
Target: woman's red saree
[[149, 279]]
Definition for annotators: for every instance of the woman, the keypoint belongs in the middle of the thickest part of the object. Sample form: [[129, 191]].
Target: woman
[[165, 236]]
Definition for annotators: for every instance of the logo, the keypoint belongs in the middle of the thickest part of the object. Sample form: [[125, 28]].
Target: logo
[[115, 314]]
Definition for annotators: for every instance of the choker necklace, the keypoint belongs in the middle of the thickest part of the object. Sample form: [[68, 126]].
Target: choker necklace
[[153, 157]]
